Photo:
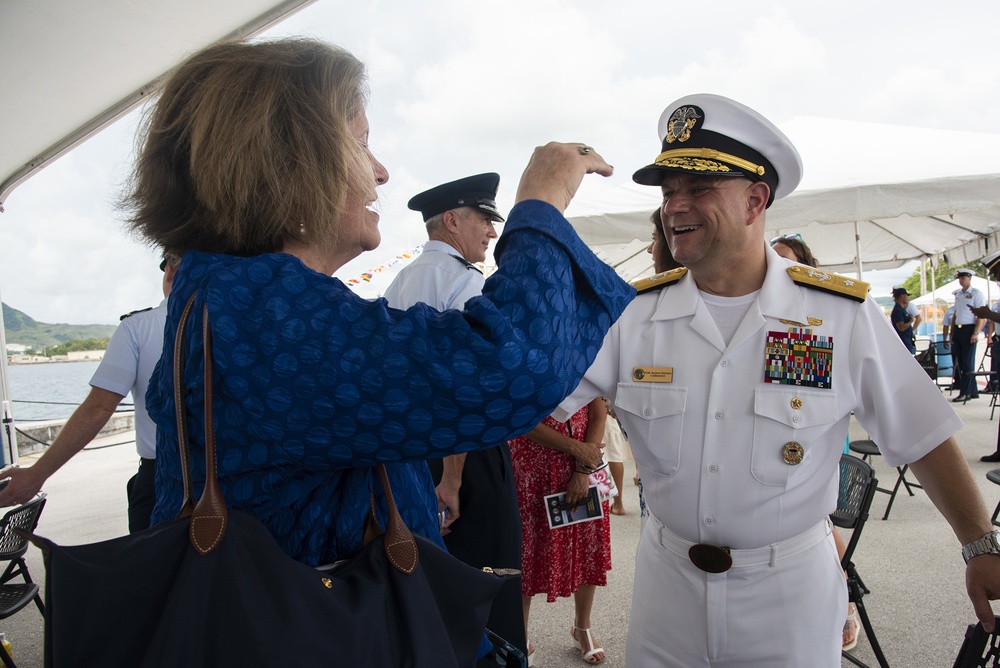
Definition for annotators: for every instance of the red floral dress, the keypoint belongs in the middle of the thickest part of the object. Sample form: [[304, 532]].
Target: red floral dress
[[556, 561]]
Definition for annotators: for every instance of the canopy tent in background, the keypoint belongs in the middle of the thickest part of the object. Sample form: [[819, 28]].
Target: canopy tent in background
[[896, 194], [945, 294]]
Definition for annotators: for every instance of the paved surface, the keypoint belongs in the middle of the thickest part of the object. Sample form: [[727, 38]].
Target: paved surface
[[911, 562]]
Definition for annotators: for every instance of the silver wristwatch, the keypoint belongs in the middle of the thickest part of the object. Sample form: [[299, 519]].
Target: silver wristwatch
[[988, 544]]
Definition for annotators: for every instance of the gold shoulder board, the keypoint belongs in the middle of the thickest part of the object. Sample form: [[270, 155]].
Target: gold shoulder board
[[835, 284], [659, 280]]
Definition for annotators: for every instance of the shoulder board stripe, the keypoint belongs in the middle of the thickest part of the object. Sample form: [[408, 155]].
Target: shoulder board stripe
[[659, 280], [142, 310], [835, 284]]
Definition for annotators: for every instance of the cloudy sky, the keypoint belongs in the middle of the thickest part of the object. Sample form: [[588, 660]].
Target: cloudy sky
[[459, 88]]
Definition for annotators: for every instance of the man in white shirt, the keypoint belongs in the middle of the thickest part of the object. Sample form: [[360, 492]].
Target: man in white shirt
[[475, 491], [965, 334], [735, 379], [132, 353]]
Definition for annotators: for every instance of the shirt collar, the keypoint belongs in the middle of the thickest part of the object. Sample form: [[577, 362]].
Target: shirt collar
[[777, 298]]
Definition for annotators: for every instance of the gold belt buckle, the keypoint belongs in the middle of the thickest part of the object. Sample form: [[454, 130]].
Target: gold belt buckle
[[710, 558]]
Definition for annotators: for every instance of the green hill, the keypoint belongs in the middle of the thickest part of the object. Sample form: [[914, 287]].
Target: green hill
[[22, 328]]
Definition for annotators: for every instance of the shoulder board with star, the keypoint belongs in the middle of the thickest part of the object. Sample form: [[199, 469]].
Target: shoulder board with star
[[659, 280], [835, 284], [142, 310]]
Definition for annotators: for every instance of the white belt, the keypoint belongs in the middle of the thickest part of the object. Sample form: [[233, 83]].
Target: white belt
[[757, 556]]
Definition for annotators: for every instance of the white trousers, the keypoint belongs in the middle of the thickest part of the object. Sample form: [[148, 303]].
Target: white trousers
[[781, 606]]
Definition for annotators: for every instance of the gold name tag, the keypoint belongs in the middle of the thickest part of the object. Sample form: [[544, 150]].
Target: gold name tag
[[653, 374]]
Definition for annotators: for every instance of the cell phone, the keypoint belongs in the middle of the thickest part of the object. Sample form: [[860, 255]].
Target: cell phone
[[504, 654]]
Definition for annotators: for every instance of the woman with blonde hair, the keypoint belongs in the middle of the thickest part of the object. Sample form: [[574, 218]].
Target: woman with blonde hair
[[255, 169]]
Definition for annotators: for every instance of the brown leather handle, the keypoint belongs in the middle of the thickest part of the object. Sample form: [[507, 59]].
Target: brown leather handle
[[208, 519]]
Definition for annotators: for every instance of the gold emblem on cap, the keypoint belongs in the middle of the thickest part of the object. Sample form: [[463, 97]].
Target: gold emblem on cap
[[681, 122], [796, 403], [792, 453]]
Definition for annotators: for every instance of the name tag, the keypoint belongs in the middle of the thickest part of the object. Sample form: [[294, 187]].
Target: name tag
[[653, 374]]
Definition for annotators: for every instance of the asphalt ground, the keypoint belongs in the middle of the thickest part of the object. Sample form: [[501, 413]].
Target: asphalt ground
[[911, 562]]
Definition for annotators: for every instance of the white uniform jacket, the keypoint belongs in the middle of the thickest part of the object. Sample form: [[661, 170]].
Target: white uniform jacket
[[710, 437], [439, 277], [132, 353]]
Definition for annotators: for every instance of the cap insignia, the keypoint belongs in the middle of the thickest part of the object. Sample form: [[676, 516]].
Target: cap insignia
[[681, 122]]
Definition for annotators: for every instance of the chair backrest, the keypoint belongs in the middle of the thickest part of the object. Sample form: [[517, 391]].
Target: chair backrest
[[980, 649], [23, 517], [857, 489]]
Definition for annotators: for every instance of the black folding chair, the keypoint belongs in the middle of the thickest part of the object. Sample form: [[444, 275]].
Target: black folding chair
[[14, 596], [868, 448], [857, 489], [980, 649]]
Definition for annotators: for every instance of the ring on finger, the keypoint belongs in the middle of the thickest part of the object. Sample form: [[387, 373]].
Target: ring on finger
[[585, 150]]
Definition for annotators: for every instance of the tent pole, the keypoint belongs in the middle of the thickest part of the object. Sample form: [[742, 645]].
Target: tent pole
[[857, 248], [8, 437], [934, 290]]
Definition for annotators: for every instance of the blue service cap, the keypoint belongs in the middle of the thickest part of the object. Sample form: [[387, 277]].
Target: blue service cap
[[477, 192]]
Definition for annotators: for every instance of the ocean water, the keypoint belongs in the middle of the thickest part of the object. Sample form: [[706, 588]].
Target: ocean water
[[49, 391]]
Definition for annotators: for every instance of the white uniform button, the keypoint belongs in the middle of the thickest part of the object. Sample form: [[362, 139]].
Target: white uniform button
[[709, 521], [713, 468], [719, 415], [724, 363], [796, 418], [647, 411]]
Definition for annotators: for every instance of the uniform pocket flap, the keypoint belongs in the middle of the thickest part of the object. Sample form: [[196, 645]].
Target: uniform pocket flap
[[795, 407], [650, 401]]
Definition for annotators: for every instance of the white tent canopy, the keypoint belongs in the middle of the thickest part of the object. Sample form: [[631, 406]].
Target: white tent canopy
[[897, 194], [72, 68], [945, 294]]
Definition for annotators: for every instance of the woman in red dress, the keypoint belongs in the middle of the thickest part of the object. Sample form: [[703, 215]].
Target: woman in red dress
[[573, 559]]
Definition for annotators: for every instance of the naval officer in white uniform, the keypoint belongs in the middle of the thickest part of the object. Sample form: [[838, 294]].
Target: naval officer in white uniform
[[735, 378]]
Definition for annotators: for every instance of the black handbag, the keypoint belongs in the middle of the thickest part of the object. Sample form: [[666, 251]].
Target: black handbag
[[214, 589]]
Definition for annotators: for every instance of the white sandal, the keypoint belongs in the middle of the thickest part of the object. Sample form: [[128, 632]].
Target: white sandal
[[852, 618], [587, 656]]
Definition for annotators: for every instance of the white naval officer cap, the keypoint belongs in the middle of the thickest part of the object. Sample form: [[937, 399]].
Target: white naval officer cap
[[991, 261], [963, 272], [711, 134]]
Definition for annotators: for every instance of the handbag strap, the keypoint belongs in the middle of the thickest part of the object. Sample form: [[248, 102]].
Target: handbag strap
[[208, 518]]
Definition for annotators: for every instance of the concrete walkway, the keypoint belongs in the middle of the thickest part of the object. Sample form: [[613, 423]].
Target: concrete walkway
[[911, 562]]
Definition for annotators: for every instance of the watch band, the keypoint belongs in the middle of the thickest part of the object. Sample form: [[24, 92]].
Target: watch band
[[988, 544]]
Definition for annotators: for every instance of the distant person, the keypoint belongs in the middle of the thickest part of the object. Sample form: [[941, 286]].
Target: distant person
[[482, 526], [792, 247], [557, 457], [616, 451], [992, 264], [662, 258], [132, 353], [901, 318], [965, 334], [947, 325]]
